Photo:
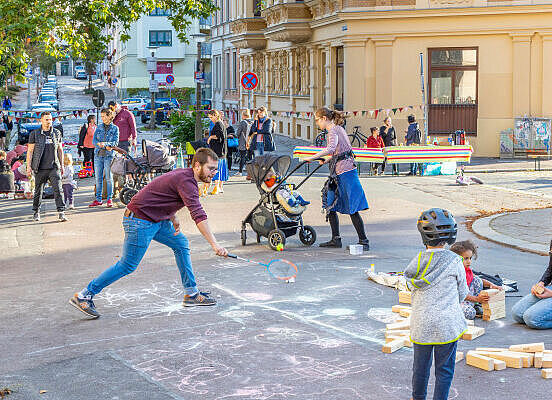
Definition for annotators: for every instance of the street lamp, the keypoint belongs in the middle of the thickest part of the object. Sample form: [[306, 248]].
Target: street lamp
[[199, 38], [151, 63]]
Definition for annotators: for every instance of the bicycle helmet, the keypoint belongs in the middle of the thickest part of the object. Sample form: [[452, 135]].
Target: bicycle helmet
[[437, 226]]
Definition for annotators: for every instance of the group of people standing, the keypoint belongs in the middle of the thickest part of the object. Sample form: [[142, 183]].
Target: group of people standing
[[254, 137]]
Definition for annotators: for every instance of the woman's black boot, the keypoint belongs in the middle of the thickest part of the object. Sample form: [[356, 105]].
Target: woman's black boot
[[335, 243]]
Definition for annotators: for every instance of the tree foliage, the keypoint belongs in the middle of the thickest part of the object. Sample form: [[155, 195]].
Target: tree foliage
[[80, 27]]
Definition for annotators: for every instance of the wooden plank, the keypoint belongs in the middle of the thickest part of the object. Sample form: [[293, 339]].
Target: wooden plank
[[470, 322], [528, 347], [547, 361], [398, 307], [405, 297], [494, 349], [479, 361], [546, 373], [393, 346], [511, 360], [398, 325], [499, 365], [398, 332], [459, 356], [494, 315], [538, 360], [473, 332], [405, 312]]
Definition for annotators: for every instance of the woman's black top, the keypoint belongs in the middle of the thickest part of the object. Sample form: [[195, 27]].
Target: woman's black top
[[218, 145]]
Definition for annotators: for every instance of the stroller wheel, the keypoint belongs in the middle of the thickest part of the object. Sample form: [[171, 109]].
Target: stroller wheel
[[276, 237], [128, 195], [243, 237], [258, 238], [307, 235], [122, 194]]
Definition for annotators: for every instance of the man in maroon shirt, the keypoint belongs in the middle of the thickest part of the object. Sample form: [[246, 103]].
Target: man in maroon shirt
[[151, 215], [126, 123]]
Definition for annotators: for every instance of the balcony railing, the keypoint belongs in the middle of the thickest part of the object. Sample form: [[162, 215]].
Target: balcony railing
[[206, 50]]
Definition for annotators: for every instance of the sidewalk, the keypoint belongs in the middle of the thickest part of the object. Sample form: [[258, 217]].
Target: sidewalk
[[527, 230]]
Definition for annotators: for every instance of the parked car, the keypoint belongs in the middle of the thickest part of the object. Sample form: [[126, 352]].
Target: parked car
[[78, 68], [28, 123], [134, 103], [161, 115], [50, 98], [81, 74], [52, 78], [171, 99]]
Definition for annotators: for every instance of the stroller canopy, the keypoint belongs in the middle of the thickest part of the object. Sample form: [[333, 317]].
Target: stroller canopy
[[259, 168], [156, 154]]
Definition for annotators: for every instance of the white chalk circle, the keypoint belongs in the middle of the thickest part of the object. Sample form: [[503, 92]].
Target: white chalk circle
[[237, 314], [338, 312], [308, 299]]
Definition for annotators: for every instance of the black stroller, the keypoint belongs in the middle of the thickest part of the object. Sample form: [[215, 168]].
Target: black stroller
[[272, 217], [156, 159]]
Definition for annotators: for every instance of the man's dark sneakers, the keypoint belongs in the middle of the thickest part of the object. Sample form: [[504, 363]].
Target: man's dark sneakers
[[36, 216], [85, 305], [198, 299], [335, 243]]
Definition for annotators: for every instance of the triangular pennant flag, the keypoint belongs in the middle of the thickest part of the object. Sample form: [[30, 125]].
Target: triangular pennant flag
[[274, 113], [394, 110], [371, 113], [298, 114], [17, 119], [80, 113], [401, 108], [363, 113], [376, 112], [355, 113], [308, 114]]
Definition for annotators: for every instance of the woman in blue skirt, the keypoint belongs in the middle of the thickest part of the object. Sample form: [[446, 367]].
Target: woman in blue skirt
[[217, 143], [342, 192]]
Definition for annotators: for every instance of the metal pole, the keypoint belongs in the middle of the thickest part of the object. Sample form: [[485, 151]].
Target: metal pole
[[249, 98], [198, 125], [28, 93], [152, 119], [422, 83]]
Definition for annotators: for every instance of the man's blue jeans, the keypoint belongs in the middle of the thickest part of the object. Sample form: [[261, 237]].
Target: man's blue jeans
[[138, 235], [102, 165], [534, 312], [445, 357]]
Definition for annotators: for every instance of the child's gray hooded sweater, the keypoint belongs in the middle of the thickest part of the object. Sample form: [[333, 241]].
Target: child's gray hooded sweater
[[437, 317]]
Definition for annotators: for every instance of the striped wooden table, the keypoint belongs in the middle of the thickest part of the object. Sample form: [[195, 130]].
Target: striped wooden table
[[361, 155], [427, 154]]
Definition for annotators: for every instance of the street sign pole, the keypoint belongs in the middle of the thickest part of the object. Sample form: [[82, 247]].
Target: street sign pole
[[422, 82], [152, 68], [249, 82]]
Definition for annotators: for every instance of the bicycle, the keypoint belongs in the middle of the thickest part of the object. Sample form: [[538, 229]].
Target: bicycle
[[357, 138]]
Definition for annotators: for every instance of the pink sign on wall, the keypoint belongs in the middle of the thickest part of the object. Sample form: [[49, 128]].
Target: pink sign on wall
[[165, 67]]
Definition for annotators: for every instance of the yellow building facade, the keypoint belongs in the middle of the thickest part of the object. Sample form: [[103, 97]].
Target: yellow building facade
[[485, 63]]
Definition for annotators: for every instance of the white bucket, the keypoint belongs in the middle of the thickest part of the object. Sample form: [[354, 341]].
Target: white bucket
[[356, 249]]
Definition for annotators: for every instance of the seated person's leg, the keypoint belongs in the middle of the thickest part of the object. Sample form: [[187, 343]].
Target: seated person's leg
[[539, 315], [519, 309]]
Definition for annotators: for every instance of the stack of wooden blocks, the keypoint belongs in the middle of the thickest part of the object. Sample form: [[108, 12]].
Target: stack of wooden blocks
[[516, 356], [495, 308]]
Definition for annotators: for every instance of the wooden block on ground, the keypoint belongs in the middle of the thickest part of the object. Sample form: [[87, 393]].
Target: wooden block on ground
[[528, 348], [495, 294], [479, 361], [398, 307], [473, 332], [405, 312], [398, 325], [499, 365], [511, 360], [494, 315], [405, 297], [459, 356], [393, 346], [398, 332], [407, 342], [527, 358], [470, 322], [538, 360], [494, 349], [547, 361], [546, 373]]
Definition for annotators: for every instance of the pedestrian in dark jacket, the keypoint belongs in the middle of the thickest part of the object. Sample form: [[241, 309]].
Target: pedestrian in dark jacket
[[7, 104], [389, 136], [261, 133], [217, 143], [413, 138], [243, 135]]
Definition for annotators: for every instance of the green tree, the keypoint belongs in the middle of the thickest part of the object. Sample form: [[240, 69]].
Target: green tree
[[75, 26]]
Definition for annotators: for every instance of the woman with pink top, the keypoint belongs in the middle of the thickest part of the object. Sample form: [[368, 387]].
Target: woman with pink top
[[342, 192]]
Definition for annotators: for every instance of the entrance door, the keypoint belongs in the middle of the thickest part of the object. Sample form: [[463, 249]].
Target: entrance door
[[452, 90]]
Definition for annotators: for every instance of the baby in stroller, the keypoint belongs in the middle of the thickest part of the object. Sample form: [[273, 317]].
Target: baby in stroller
[[292, 197]]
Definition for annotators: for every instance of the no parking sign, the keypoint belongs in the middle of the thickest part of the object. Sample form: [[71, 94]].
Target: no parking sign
[[249, 81]]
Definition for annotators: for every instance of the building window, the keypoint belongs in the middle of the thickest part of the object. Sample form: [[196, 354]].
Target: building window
[[453, 75], [217, 73], [160, 38], [228, 75], [235, 70], [227, 6], [339, 78], [160, 12]]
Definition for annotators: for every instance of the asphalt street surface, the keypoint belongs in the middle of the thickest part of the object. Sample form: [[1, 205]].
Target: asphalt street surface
[[319, 338]]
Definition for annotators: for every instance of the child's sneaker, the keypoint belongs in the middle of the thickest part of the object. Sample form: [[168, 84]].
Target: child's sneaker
[[109, 203], [95, 203], [198, 299], [71, 206], [84, 305]]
